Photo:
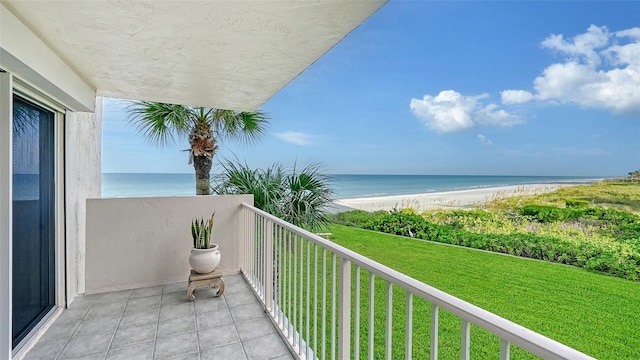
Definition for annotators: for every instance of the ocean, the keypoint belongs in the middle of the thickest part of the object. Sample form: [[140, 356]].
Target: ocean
[[344, 186]]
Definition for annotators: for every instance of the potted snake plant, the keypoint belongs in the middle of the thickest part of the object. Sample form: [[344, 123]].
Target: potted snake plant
[[204, 256]]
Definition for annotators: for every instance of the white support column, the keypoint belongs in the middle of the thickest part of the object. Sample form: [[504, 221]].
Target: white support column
[[344, 311], [6, 133], [82, 180]]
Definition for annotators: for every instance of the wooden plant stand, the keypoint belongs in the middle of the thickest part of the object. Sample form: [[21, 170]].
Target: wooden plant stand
[[196, 280]]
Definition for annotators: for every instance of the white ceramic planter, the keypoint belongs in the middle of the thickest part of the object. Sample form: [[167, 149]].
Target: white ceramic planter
[[204, 261]]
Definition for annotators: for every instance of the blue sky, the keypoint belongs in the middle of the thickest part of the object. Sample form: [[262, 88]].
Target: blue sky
[[435, 87]]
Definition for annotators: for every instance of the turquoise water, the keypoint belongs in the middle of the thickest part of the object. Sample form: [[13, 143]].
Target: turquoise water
[[344, 186]]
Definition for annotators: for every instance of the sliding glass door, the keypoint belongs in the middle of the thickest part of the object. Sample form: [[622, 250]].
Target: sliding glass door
[[33, 215]]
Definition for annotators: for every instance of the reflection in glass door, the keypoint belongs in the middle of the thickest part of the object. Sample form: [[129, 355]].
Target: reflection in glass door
[[33, 216]]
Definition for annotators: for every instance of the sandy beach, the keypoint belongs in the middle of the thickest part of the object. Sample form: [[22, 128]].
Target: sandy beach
[[461, 199]]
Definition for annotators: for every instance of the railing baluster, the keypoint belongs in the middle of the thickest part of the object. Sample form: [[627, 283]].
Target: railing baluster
[[247, 241], [276, 272], [280, 276], [250, 251], [333, 306], [409, 327], [258, 245], [283, 276], [356, 318], [261, 257], [465, 343], [372, 284], [256, 254], [315, 300], [324, 303], [389, 320], [505, 352], [243, 232], [300, 297], [308, 296], [296, 333], [285, 282], [268, 268], [255, 242], [434, 332], [344, 311], [254, 250], [279, 251], [291, 288]]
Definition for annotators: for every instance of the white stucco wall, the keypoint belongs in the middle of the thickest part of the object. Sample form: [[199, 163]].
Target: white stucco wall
[[137, 242], [83, 174]]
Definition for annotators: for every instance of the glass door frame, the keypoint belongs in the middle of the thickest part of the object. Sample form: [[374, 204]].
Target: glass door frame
[[6, 210], [9, 86]]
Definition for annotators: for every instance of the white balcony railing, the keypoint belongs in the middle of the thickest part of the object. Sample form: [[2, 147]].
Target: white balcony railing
[[305, 284]]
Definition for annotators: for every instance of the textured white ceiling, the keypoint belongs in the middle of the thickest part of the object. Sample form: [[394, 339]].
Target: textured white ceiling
[[226, 54]]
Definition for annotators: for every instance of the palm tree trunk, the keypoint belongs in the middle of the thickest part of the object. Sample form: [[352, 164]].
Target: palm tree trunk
[[202, 165], [203, 147]]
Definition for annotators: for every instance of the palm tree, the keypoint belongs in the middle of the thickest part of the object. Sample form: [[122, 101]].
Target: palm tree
[[204, 127], [298, 196]]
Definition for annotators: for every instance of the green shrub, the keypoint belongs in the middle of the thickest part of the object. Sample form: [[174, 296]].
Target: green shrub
[[575, 203], [616, 258], [547, 214], [401, 223], [355, 218]]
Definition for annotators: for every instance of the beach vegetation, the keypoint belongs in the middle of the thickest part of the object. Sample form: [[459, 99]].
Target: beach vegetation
[[591, 227], [633, 176], [204, 128], [622, 193], [297, 195], [355, 217]]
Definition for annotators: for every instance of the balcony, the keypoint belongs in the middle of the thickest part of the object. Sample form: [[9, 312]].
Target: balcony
[[159, 322], [285, 286]]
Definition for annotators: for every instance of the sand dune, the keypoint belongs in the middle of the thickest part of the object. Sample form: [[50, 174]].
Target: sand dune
[[461, 199]]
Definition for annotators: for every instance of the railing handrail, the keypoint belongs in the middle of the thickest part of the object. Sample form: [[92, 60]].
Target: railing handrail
[[518, 335]]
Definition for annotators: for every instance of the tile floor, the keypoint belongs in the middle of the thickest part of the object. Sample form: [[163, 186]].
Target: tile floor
[[160, 323]]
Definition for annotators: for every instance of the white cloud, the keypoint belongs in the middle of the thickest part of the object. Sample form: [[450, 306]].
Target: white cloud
[[583, 46], [451, 111], [484, 140], [295, 137], [516, 96], [601, 70]]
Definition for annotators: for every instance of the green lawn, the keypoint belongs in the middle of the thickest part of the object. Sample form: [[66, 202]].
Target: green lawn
[[594, 313]]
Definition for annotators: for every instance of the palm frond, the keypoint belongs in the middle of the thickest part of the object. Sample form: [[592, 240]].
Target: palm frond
[[160, 122], [265, 185], [299, 197], [309, 194], [247, 127]]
